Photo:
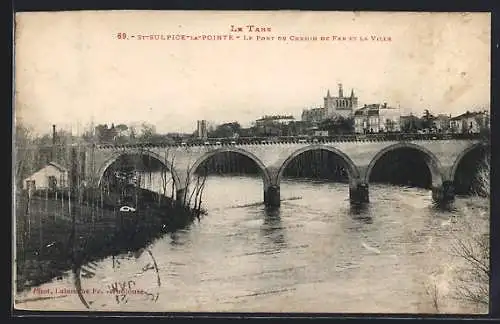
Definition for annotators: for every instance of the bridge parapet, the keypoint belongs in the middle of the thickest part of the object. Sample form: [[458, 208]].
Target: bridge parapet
[[244, 141], [266, 141], [359, 153]]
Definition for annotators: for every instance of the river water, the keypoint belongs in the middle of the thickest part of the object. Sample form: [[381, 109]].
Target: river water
[[316, 254]]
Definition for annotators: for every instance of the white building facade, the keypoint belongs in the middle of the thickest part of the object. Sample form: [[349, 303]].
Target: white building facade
[[377, 118], [52, 176]]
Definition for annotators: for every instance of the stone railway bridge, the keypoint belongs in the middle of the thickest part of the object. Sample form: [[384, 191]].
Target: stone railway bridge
[[442, 157]]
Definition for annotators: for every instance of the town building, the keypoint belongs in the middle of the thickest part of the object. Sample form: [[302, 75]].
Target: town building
[[274, 120], [343, 106], [409, 123], [314, 115], [202, 129], [389, 118], [441, 123], [276, 125], [52, 176], [366, 119], [332, 107], [470, 122], [377, 118]]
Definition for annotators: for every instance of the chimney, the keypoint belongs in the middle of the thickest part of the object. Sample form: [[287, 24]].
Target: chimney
[[53, 152], [53, 134]]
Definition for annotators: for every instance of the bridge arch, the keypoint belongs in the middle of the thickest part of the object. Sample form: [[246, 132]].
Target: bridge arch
[[461, 156], [351, 167], [265, 175], [470, 171], [166, 163], [430, 160]]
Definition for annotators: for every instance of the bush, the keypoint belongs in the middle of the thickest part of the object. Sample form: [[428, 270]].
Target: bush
[[472, 247]]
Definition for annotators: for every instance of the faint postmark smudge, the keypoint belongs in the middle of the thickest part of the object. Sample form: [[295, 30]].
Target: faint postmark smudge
[[128, 278]]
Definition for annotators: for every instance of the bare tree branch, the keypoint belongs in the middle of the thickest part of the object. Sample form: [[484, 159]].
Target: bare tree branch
[[473, 248], [432, 291]]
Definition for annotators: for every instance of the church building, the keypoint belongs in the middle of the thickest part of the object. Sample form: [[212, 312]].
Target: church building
[[340, 105], [332, 107]]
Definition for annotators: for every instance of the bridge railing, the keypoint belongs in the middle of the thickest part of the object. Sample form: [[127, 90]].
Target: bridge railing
[[315, 139], [298, 139]]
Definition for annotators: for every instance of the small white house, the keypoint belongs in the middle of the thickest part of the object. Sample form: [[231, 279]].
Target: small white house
[[51, 176]]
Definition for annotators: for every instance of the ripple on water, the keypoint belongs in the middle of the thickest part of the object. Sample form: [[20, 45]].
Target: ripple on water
[[316, 254]]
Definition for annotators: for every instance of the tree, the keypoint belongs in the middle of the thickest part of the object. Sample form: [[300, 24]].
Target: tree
[[132, 134], [411, 124], [297, 128], [428, 120], [148, 131], [120, 134], [347, 125], [121, 128], [473, 246], [482, 120], [105, 134], [25, 156], [45, 139], [88, 136], [327, 125], [337, 125], [225, 130]]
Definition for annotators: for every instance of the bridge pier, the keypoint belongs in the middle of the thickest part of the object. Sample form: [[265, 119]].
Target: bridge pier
[[358, 193], [444, 193], [272, 196]]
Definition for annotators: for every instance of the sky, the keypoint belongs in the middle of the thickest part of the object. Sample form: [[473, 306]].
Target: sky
[[71, 69]]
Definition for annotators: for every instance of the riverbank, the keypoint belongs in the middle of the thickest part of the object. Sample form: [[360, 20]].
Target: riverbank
[[459, 281], [54, 236]]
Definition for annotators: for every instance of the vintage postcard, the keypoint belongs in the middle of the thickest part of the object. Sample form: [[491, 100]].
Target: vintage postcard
[[279, 161]]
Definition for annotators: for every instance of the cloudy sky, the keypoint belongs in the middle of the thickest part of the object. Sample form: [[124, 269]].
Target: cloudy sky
[[70, 68]]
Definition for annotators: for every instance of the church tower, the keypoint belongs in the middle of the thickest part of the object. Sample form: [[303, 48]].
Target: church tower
[[329, 104], [340, 105], [353, 100]]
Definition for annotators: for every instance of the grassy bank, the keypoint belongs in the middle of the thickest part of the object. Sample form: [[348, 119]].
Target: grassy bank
[[54, 235]]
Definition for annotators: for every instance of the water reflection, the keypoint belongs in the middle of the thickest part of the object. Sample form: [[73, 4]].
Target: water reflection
[[449, 207], [272, 229], [361, 212]]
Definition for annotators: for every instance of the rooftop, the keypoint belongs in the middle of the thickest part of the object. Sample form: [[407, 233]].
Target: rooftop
[[57, 165], [372, 108], [469, 114], [276, 117]]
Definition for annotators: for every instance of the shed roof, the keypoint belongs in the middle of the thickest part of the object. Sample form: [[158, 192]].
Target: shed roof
[[57, 165]]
